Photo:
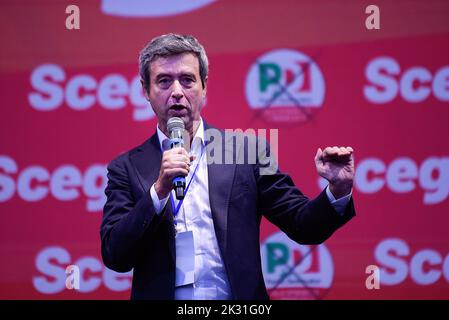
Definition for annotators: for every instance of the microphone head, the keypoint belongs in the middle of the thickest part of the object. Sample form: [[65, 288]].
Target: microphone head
[[175, 123]]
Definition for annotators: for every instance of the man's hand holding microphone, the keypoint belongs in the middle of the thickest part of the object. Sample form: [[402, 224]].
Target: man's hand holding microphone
[[175, 163]]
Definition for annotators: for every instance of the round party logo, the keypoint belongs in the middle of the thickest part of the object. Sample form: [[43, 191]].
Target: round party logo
[[294, 271], [285, 86]]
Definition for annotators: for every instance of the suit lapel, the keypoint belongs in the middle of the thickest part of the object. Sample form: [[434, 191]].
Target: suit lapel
[[220, 178], [147, 161]]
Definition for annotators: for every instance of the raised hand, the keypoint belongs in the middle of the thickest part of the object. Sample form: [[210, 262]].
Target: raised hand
[[336, 164]]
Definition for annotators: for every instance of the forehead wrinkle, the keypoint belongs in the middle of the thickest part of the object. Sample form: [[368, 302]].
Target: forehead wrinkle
[[166, 65]]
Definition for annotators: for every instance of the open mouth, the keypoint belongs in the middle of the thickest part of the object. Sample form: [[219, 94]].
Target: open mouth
[[177, 107]]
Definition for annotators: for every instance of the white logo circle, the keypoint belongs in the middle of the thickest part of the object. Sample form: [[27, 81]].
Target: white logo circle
[[286, 83], [287, 264]]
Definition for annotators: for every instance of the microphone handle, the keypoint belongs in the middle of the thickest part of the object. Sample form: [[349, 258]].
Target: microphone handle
[[179, 182]]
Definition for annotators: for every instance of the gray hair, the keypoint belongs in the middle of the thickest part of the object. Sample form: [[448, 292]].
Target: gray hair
[[169, 45]]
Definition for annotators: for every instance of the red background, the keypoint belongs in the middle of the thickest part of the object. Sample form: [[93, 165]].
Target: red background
[[235, 34]]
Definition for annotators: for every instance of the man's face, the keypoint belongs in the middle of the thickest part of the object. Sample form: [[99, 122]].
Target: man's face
[[175, 89]]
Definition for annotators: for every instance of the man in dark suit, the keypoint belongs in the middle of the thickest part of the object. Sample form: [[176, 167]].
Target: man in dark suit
[[207, 245]]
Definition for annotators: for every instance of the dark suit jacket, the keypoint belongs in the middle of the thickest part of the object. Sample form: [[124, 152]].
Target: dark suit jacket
[[134, 236]]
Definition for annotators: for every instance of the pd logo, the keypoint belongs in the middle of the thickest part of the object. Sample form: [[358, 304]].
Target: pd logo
[[293, 271], [286, 86]]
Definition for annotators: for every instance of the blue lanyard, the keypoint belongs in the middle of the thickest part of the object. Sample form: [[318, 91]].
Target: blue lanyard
[[176, 210]]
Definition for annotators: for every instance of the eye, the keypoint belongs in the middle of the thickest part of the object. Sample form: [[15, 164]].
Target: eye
[[187, 81], [164, 82]]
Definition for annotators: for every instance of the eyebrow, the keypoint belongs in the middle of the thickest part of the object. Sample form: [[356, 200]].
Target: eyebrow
[[161, 75]]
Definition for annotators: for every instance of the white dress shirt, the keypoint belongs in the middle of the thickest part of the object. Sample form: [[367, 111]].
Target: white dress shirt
[[210, 278], [211, 281]]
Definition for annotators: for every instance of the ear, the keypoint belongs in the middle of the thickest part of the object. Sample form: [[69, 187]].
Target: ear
[[205, 87], [145, 92]]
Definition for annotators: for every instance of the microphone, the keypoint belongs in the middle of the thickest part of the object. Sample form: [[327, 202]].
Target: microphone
[[175, 127]]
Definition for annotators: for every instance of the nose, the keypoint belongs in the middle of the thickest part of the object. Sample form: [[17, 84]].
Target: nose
[[177, 90]]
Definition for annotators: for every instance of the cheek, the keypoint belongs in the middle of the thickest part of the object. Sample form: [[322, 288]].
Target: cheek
[[196, 96], [198, 103], [159, 98]]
